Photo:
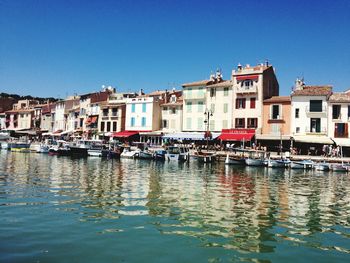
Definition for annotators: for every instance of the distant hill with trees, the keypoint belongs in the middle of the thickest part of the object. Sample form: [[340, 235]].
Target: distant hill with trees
[[18, 97]]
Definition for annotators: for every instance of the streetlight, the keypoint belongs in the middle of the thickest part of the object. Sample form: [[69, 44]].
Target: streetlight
[[208, 114]]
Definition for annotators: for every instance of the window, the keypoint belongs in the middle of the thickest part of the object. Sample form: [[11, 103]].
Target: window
[[143, 121], [239, 123], [247, 84], [200, 124], [252, 103], [188, 93], [226, 91], [348, 112], [114, 112], [173, 98], [188, 123], [240, 103], [315, 105], [225, 107], [315, 125], [189, 106], [108, 126], [200, 106], [212, 92], [297, 130], [224, 124], [165, 124], [336, 112], [341, 130], [212, 125], [132, 124], [212, 107], [275, 129], [275, 112], [114, 126], [133, 106], [297, 113], [143, 107], [165, 108], [252, 123], [173, 110]]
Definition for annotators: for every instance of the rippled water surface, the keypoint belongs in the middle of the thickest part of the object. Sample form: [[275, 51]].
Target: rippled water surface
[[58, 209]]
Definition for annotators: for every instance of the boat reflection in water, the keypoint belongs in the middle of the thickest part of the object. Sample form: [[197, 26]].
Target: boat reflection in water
[[210, 212]]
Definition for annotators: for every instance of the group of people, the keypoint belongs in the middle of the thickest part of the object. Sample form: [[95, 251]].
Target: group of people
[[331, 151]]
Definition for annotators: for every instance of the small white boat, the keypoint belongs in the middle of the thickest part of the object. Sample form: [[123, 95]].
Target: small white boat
[[254, 162], [43, 148], [338, 168], [95, 150], [129, 153], [234, 160], [305, 164], [34, 147], [322, 166], [176, 153], [4, 145], [145, 154]]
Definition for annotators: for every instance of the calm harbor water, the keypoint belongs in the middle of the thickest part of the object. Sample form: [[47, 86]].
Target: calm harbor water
[[58, 209]]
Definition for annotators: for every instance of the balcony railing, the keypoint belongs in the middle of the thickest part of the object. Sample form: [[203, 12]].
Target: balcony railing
[[248, 89], [322, 110], [322, 130]]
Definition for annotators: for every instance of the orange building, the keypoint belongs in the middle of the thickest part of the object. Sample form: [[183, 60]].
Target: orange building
[[276, 122]]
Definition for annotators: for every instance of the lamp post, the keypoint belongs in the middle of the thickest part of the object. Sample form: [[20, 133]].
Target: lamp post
[[208, 114]]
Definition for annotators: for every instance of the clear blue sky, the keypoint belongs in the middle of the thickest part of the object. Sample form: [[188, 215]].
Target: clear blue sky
[[55, 48]]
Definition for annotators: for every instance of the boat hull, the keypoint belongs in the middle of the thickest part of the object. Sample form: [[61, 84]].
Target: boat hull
[[254, 162]]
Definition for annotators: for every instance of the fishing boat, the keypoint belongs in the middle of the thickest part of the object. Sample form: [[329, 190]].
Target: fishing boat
[[128, 152], [256, 158], [338, 168], [322, 166], [143, 152], [305, 164], [234, 160], [19, 146], [280, 163], [177, 153], [95, 150], [81, 147], [159, 155]]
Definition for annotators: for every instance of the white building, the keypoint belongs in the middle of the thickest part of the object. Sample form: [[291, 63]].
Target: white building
[[143, 114], [339, 117], [309, 120], [172, 113]]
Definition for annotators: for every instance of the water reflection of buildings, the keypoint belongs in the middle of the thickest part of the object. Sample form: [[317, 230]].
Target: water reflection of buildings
[[235, 208]]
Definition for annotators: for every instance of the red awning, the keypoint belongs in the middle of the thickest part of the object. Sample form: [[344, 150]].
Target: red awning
[[88, 120], [93, 119], [124, 134], [237, 134], [246, 77]]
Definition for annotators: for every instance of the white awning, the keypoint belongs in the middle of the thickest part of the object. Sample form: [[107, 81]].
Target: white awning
[[66, 132], [342, 141], [271, 137], [313, 139], [195, 136]]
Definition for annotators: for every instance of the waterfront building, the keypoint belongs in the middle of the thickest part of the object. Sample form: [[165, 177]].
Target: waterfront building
[[143, 117], [339, 118], [61, 112], [251, 86], [21, 116], [200, 97], [46, 123], [276, 123], [171, 112], [309, 117], [112, 114]]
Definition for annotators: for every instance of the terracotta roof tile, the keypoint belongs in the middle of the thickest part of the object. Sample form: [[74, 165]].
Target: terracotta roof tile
[[226, 83], [313, 91], [340, 97], [278, 99]]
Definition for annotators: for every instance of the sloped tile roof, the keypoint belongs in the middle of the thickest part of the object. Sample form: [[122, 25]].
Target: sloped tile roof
[[340, 97], [313, 91], [278, 99], [222, 84]]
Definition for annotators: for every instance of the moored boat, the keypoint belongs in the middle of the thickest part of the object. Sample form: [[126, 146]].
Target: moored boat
[[205, 157], [254, 162], [305, 164], [177, 153], [234, 160], [323, 166], [338, 168]]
